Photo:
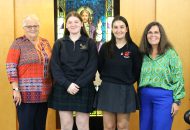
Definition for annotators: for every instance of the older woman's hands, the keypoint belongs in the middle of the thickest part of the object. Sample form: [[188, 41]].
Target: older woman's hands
[[17, 97], [16, 94]]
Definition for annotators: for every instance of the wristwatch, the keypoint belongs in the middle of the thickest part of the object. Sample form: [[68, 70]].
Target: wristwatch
[[15, 89], [178, 102]]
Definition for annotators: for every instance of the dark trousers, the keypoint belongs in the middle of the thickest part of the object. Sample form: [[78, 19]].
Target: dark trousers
[[32, 116], [155, 113]]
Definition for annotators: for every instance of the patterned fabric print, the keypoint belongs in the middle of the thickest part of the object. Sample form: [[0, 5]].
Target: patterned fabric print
[[43, 51], [12, 63], [12, 72], [165, 71], [35, 89], [28, 65], [27, 52]]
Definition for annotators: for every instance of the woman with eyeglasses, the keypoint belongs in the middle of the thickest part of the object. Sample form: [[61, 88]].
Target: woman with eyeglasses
[[161, 84], [28, 73]]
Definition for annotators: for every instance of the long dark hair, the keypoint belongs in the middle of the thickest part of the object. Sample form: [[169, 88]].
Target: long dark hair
[[110, 44], [164, 44], [75, 14]]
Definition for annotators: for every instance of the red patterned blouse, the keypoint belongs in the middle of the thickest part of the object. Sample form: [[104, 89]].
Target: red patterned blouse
[[28, 64]]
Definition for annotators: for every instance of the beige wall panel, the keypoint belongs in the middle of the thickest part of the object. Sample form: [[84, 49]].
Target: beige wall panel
[[175, 17], [138, 14], [7, 109], [44, 9]]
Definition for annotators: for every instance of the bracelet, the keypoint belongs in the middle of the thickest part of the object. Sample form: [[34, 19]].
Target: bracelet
[[15, 89]]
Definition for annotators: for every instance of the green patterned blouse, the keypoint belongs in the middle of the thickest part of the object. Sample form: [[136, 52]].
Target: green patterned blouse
[[165, 71]]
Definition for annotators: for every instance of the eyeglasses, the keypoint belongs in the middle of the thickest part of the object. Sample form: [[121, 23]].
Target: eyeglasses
[[32, 26]]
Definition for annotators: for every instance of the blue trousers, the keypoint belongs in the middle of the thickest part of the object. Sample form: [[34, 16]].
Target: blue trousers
[[155, 113], [32, 116]]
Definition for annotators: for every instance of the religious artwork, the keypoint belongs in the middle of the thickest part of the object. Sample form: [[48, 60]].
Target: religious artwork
[[97, 16]]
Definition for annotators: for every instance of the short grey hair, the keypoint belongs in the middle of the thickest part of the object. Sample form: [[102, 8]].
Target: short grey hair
[[30, 17]]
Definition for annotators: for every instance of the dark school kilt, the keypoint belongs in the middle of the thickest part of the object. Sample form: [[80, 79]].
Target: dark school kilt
[[117, 98], [61, 100]]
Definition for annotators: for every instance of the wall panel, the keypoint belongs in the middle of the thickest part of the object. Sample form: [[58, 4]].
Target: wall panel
[[175, 17], [7, 120], [138, 13]]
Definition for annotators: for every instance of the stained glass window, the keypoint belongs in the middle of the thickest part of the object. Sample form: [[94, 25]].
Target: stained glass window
[[101, 15]]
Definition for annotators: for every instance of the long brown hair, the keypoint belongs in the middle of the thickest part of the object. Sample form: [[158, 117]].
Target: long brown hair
[[75, 14], [110, 44], [164, 44]]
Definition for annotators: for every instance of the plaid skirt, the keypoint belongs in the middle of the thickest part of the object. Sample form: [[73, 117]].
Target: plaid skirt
[[117, 98], [61, 100]]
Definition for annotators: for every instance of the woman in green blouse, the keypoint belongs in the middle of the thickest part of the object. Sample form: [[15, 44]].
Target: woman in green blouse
[[161, 82]]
